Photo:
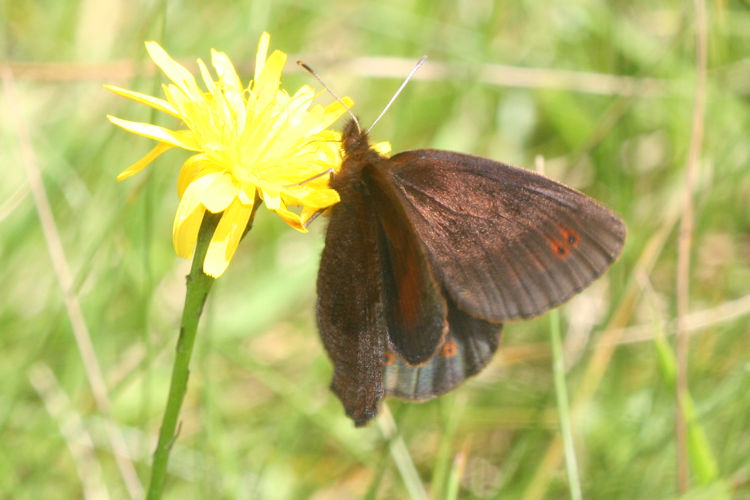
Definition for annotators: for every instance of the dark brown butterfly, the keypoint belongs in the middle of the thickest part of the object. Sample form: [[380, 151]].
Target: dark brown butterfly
[[429, 252]]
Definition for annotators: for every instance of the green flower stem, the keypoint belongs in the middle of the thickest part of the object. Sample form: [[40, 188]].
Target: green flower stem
[[563, 410], [198, 286]]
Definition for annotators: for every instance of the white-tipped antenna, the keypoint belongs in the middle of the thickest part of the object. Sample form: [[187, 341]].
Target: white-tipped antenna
[[320, 80], [395, 95], [348, 109]]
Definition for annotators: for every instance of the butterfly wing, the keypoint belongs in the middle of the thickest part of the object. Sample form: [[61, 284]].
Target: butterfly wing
[[505, 242], [468, 347], [375, 290], [350, 314], [414, 307]]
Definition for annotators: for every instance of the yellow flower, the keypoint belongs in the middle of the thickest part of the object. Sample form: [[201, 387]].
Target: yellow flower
[[250, 143]]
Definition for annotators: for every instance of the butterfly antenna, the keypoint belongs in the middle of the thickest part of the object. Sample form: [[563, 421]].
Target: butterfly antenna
[[320, 80], [395, 95]]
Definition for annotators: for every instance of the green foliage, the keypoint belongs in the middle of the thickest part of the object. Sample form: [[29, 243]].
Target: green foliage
[[259, 420]]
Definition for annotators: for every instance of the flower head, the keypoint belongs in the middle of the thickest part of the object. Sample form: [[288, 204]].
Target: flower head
[[250, 143]]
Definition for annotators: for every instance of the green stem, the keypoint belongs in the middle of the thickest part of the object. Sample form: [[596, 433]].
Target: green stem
[[198, 286], [563, 409]]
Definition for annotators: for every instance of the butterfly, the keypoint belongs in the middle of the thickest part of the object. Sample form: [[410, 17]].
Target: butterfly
[[429, 252]]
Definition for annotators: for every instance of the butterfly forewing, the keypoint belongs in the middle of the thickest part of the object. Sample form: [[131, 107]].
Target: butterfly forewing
[[505, 242], [375, 288], [350, 310], [414, 306]]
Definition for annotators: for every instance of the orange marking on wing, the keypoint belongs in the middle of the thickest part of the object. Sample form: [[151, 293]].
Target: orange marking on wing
[[569, 240], [449, 349], [389, 358]]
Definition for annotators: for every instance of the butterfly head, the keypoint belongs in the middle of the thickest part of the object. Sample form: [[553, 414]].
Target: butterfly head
[[353, 139]]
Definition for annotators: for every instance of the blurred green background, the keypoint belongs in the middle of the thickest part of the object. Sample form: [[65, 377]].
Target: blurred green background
[[603, 90]]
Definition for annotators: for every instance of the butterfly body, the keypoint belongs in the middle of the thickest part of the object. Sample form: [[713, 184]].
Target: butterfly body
[[429, 252]]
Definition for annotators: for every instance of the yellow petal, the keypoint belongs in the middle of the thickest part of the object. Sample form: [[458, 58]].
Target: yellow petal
[[271, 199], [246, 195], [226, 238], [219, 194], [231, 87], [206, 75], [308, 213], [319, 198], [225, 71], [179, 138], [194, 167], [268, 82], [144, 162], [297, 105], [173, 70], [260, 54], [383, 147], [194, 111], [154, 102], [292, 219], [332, 112], [187, 220]]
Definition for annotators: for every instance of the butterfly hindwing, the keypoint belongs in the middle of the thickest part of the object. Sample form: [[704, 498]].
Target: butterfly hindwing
[[505, 242], [467, 348]]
